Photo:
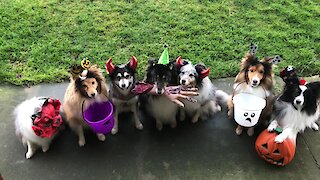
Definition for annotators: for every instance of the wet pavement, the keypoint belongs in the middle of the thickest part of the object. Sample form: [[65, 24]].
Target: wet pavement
[[205, 150]]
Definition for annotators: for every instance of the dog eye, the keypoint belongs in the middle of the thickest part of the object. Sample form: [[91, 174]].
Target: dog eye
[[85, 86], [261, 72], [127, 76], [191, 75], [182, 73], [92, 82], [251, 70]]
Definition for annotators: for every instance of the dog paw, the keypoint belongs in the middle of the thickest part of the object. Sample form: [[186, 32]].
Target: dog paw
[[82, 142], [114, 131], [29, 154], [273, 125], [239, 130], [250, 131], [139, 126], [315, 126], [101, 137], [45, 148], [280, 138], [194, 120]]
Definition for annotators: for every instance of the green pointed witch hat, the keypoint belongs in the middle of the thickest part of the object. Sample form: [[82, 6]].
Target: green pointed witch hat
[[164, 58]]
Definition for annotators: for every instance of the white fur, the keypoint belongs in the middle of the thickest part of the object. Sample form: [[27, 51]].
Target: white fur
[[293, 122], [206, 100], [23, 125], [163, 110], [258, 91]]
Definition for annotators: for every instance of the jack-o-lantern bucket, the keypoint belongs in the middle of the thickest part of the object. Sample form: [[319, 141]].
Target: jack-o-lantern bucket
[[279, 154], [247, 109]]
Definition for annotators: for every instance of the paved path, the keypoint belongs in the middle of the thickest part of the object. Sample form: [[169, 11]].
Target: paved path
[[205, 150]]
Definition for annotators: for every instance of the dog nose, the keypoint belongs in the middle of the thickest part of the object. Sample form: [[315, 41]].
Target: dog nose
[[159, 91], [93, 94], [123, 85], [183, 82], [255, 81], [298, 101]]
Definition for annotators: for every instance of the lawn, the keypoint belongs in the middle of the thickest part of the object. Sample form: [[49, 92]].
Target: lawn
[[41, 39]]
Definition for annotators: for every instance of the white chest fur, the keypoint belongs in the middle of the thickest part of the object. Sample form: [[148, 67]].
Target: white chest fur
[[245, 88]]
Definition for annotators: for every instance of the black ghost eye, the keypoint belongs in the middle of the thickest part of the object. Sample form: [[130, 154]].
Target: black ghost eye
[[245, 114], [253, 114]]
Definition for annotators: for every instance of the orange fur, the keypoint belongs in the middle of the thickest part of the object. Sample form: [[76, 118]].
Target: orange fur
[[73, 99]]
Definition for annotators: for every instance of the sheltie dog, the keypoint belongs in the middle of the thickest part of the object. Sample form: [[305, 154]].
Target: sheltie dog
[[37, 123], [85, 87], [297, 107], [123, 80], [256, 78], [206, 104], [158, 105]]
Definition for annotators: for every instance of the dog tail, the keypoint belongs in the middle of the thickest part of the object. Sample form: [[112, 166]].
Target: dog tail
[[222, 97]]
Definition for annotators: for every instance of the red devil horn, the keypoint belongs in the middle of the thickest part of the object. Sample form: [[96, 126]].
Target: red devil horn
[[179, 62], [109, 66], [204, 73], [133, 62]]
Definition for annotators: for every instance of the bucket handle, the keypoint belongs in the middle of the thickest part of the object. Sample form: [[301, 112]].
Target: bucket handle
[[233, 93]]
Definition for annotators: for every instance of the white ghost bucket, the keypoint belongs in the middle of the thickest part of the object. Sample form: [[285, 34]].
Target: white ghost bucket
[[247, 109]]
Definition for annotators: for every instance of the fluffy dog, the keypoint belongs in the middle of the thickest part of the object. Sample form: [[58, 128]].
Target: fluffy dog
[[296, 108], [37, 122], [122, 82], [85, 87], [256, 78], [158, 105], [196, 76]]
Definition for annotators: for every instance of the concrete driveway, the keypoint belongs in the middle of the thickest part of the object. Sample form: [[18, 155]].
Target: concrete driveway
[[205, 150]]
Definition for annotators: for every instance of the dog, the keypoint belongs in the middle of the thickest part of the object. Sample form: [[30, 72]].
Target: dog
[[37, 122], [123, 80], [256, 78], [85, 87], [296, 108], [196, 76], [158, 105]]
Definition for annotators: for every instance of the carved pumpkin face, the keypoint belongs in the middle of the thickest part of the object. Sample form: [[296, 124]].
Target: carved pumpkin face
[[278, 154]]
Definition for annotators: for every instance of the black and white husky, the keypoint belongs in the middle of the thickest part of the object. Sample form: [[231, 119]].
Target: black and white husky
[[297, 108], [158, 105], [122, 82], [196, 76]]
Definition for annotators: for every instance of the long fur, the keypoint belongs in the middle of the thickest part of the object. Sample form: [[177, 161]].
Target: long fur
[[158, 105], [23, 125], [77, 93], [206, 103], [297, 108], [261, 85], [123, 80]]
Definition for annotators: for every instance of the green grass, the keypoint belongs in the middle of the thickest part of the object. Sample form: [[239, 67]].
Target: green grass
[[41, 39]]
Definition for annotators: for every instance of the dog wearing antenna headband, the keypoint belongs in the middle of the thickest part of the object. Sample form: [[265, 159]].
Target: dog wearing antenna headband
[[123, 80], [197, 76], [255, 78], [87, 85]]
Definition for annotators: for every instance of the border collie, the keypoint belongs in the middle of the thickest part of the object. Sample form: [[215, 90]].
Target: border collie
[[123, 80], [196, 76], [256, 78], [85, 87], [297, 108], [158, 105]]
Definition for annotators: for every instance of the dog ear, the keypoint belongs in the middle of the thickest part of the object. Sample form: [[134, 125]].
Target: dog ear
[[75, 71], [179, 62], [202, 71], [109, 66], [133, 63]]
